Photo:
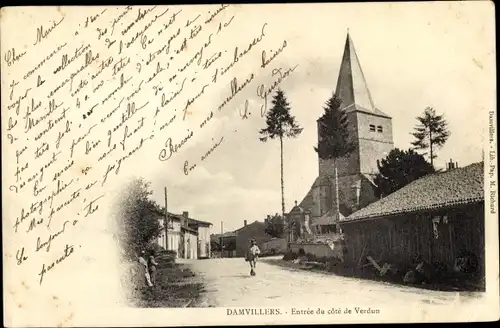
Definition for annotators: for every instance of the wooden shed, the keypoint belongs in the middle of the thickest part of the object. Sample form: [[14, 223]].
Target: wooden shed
[[435, 219]]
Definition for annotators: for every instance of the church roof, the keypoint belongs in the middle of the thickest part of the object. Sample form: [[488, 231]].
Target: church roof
[[308, 201], [327, 219], [351, 84]]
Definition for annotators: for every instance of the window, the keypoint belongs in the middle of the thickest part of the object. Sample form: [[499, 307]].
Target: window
[[372, 128], [379, 128]]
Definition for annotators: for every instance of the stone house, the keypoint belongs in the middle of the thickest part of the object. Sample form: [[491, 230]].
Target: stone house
[[189, 238], [236, 242]]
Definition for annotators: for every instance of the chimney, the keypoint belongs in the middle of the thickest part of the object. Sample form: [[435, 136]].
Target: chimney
[[184, 219], [244, 223]]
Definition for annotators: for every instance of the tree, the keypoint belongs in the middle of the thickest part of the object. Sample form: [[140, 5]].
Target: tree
[[280, 124], [274, 226], [334, 141], [398, 169], [431, 132], [138, 218]]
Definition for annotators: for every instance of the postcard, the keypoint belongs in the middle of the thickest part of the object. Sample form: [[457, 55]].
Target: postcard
[[249, 164]]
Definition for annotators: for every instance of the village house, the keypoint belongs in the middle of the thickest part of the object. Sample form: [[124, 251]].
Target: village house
[[437, 218], [189, 238], [236, 242], [228, 242], [370, 131]]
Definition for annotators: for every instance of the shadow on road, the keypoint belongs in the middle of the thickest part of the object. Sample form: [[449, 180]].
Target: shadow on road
[[342, 271], [244, 276]]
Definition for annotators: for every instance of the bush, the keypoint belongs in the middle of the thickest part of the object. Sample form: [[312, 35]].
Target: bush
[[167, 256], [290, 256], [332, 264], [154, 249], [310, 257], [171, 253], [137, 219]]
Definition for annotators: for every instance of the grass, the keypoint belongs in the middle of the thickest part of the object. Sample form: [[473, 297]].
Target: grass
[[176, 287]]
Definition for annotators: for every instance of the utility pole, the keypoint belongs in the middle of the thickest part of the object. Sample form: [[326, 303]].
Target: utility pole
[[166, 220], [221, 239]]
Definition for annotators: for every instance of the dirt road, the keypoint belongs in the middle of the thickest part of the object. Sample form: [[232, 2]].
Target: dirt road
[[229, 284]]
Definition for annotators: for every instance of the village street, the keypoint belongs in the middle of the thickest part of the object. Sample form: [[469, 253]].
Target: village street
[[228, 284]]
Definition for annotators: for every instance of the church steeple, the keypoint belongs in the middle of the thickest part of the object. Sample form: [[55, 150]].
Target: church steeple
[[351, 83]]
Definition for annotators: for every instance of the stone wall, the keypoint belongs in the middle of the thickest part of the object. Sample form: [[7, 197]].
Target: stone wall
[[279, 245], [204, 241], [371, 151], [364, 120], [320, 250], [373, 145]]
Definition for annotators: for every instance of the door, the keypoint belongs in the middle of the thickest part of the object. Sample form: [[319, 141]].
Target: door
[[442, 246], [181, 247]]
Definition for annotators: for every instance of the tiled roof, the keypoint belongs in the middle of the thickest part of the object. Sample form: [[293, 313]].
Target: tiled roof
[[225, 235], [454, 187], [190, 230], [255, 223], [201, 222], [180, 216]]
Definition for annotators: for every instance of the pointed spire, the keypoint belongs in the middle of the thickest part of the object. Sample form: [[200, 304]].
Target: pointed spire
[[351, 83]]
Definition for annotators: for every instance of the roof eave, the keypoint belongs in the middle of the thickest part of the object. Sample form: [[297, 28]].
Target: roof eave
[[413, 211]]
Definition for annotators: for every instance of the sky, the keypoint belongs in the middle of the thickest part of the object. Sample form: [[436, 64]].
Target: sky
[[412, 56]]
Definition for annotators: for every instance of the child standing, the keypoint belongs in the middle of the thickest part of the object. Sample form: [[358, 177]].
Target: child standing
[[152, 264], [252, 255], [145, 269]]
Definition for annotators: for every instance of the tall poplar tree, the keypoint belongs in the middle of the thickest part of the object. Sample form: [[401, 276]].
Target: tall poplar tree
[[280, 124]]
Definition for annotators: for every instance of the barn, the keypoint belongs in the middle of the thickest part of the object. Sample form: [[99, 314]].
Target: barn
[[436, 219]]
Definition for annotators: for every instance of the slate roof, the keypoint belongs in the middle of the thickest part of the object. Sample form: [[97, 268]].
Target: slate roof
[[326, 219], [351, 83], [308, 202], [358, 108], [370, 178], [454, 187]]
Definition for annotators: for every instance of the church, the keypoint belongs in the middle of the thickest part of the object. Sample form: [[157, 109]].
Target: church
[[370, 131]]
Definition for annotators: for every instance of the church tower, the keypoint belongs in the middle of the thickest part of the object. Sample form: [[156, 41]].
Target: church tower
[[370, 131]]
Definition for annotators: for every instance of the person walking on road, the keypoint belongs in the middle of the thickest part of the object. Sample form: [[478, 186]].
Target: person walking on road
[[252, 255]]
